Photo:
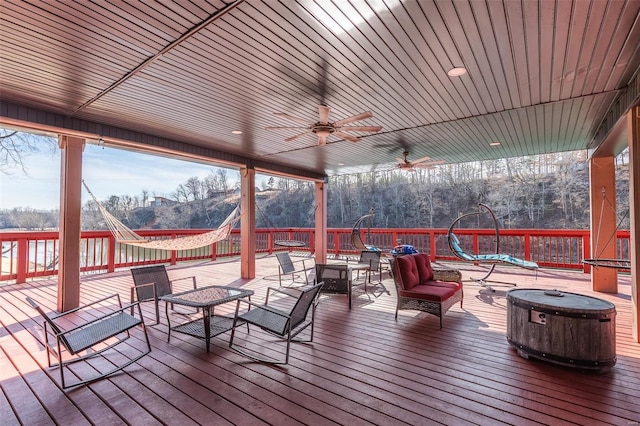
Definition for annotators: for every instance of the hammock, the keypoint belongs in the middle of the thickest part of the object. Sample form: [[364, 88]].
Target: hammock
[[124, 235]]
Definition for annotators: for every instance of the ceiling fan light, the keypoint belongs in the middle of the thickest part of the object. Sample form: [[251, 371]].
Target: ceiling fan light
[[457, 71]]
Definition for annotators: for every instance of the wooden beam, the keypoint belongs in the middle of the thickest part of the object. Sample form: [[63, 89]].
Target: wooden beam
[[70, 206], [321, 222], [602, 186], [248, 223], [633, 120]]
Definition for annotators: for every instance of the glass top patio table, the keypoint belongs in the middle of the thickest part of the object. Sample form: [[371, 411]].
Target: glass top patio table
[[205, 298]]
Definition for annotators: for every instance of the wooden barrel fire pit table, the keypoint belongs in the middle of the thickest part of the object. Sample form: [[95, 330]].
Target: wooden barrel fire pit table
[[564, 328]]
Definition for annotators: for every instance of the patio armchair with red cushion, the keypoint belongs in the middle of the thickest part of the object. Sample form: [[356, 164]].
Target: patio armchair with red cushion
[[420, 287]]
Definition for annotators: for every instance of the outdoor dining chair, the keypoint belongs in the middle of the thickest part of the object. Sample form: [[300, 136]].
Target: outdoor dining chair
[[283, 318], [150, 283]]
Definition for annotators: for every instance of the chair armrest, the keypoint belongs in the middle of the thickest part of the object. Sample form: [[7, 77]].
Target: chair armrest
[[264, 307], [192, 278], [152, 285], [447, 275], [95, 302], [304, 266], [285, 291]]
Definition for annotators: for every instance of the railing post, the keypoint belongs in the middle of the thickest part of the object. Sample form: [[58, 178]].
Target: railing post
[[432, 245], [336, 244], [174, 253], [586, 251], [312, 241], [214, 251], [111, 253], [22, 261], [270, 242], [527, 246]]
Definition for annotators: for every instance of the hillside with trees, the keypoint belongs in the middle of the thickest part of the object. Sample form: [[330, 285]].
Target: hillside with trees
[[538, 192]]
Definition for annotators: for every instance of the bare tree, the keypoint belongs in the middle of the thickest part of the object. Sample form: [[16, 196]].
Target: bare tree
[[16, 146]]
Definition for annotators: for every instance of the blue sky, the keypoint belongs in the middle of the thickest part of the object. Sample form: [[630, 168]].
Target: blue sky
[[107, 171]]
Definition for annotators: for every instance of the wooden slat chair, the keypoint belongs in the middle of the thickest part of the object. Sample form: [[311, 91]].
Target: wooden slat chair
[[91, 336], [150, 283], [283, 320]]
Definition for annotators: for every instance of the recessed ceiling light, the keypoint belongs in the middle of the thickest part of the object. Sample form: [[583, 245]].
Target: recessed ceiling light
[[236, 132], [340, 164], [456, 72], [494, 144]]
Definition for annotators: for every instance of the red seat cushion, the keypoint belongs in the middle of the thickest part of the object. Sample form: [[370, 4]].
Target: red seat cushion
[[449, 284], [424, 267], [434, 293], [405, 267]]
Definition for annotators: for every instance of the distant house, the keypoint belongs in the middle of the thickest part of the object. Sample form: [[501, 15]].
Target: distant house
[[162, 201]]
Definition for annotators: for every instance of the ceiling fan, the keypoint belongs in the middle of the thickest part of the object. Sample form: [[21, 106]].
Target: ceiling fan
[[421, 163], [323, 127]]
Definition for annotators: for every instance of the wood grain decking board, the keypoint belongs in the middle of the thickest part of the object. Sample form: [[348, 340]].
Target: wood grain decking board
[[363, 367]]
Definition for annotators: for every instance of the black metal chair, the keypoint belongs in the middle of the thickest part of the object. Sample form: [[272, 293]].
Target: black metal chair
[[285, 320], [336, 278], [94, 336], [290, 267], [151, 283]]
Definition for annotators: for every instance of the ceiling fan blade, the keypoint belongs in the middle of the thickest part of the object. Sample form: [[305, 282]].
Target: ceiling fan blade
[[291, 117], [420, 160], [357, 117], [424, 166], [292, 138], [323, 112], [346, 137], [431, 163], [285, 127], [360, 128], [322, 139]]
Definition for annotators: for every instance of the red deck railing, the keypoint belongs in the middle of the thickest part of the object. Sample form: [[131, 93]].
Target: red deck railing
[[34, 254]]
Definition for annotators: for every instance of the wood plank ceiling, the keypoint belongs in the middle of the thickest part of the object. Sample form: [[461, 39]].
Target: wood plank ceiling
[[541, 75]]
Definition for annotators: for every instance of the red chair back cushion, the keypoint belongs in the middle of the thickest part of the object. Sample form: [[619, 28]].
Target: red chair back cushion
[[423, 263], [407, 270]]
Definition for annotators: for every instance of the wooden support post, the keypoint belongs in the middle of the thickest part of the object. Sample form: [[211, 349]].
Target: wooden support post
[[321, 222], [70, 206], [602, 187], [633, 119], [248, 223]]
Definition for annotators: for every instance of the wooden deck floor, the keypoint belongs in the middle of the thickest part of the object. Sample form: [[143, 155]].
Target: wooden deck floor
[[362, 368]]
